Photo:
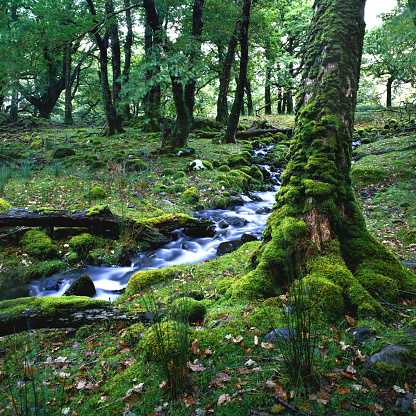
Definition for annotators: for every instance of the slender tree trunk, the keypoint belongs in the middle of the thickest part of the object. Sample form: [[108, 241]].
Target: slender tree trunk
[[116, 67], [316, 224], [389, 88], [267, 86], [250, 110], [412, 7], [127, 54], [279, 101], [222, 104], [180, 133], [68, 84], [234, 118]]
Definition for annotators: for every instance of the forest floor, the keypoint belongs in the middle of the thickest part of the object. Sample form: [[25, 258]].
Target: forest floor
[[229, 367]]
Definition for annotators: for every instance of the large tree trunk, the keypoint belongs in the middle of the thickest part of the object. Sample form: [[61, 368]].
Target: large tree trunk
[[316, 226], [234, 118]]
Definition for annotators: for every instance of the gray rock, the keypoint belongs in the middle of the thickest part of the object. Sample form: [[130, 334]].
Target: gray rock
[[83, 286], [363, 333], [228, 247], [281, 334], [245, 238], [223, 224], [392, 354]]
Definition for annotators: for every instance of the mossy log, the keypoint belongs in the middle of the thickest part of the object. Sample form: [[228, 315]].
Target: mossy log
[[101, 221], [247, 134], [18, 315], [382, 152], [316, 233]]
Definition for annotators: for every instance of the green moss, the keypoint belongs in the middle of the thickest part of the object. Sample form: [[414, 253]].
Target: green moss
[[4, 205], [179, 174], [387, 375], [224, 168], [190, 196], [138, 165], [143, 279], [36, 144], [317, 188], [97, 210], [254, 285], [158, 222], [133, 334], [236, 160], [266, 318], [188, 309], [324, 296], [378, 285], [38, 245], [218, 203], [165, 340], [167, 172], [97, 192], [63, 152], [82, 243], [367, 174], [49, 305]]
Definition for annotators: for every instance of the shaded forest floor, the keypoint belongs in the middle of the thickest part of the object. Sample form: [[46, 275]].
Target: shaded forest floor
[[231, 369]]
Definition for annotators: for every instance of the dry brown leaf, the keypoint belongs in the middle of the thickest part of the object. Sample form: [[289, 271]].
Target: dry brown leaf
[[280, 392], [351, 321], [342, 391], [223, 399], [238, 339], [324, 351], [195, 367], [277, 408]]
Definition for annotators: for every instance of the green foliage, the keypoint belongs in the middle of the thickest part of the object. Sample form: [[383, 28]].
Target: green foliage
[[82, 243], [4, 205], [63, 152], [188, 309]]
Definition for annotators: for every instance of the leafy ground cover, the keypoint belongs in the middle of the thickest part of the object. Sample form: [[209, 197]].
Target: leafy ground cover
[[229, 367]]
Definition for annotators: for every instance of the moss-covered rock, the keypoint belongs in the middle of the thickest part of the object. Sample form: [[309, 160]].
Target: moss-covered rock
[[188, 309], [167, 172], [37, 244], [217, 202], [97, 192], [367, 174], [146, 278], [237, 160], [83, 286], [63, 152], [190, 196], [82, 243], [224, 168], [179, 174], [4, 205]]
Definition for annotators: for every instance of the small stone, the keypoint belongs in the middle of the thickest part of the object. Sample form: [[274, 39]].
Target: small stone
[[281, 334], [245, 238], [363, 333]]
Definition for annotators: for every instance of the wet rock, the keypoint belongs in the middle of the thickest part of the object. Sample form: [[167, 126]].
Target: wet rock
[[228, 247], [186, 152], [245, 238], [363, 333], [281, 334], [83, 286], [53, 283], [392, 354], [237, 221], [235, 201], [223, 224], [245, 198], [264, 210]]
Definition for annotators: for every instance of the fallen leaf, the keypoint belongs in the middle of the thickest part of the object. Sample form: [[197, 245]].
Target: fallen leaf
[[163, 385], [195, 367], [277, 408], [223, 399], [279, 391], [342, 391], [351, 321], [250, 362], [238, 339], [324, 351]]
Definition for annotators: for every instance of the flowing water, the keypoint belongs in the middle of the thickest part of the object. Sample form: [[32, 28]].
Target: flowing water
[[230, 225]]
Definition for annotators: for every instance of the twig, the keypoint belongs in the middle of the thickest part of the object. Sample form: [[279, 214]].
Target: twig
[[292, 408]]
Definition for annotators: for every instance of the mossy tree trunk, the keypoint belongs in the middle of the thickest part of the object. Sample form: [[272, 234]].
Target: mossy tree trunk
[[316, 222], [412, 7]]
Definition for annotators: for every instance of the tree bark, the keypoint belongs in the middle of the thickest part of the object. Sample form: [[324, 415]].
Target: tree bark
[[234, 118], [316, 229], [388, 88], [412, 7], [68, 84], [222, 102], [127, 54]]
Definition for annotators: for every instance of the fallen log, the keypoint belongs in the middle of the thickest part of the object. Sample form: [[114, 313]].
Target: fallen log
[[248, 133], [24, 314], [101, 221], [382, 152]]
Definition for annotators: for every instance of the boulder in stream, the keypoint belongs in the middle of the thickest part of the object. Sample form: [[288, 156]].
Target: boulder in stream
[[83, 286], [228, 247]]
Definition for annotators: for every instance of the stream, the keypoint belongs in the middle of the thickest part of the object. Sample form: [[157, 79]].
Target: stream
[[231, 224]]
